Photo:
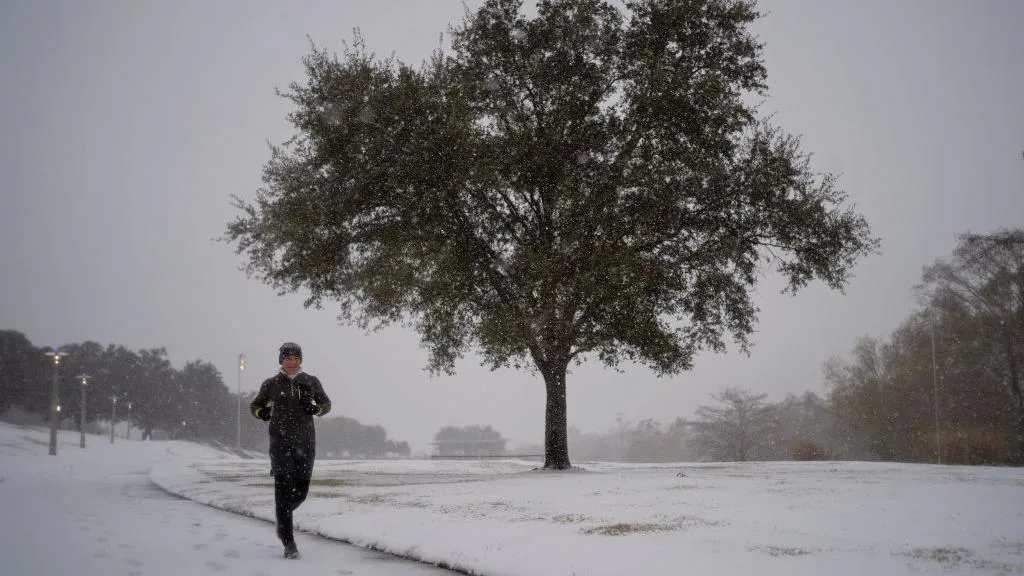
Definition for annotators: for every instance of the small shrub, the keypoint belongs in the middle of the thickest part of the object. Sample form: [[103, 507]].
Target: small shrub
[[809, 451]]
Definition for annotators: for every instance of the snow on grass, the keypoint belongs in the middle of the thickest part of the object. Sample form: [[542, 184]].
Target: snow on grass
[[502, 517]]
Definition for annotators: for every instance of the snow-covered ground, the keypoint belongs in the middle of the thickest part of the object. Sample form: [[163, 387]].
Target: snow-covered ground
[[95, 512], [501, 517]]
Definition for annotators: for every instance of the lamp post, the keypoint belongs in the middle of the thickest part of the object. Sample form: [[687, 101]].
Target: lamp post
[[622, 435], [81, 419], [128, 431], [113, 414], [56, 354], [238, 412]]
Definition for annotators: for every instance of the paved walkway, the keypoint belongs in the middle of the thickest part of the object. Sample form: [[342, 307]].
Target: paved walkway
[[66, 515]]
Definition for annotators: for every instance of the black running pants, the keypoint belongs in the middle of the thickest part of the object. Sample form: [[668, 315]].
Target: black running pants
[[292, 473]]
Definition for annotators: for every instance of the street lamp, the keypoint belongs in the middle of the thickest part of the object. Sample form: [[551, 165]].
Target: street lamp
[[128, 432], [113, 414], [238, 412], [622, 435], [56, 354], [81, 419]]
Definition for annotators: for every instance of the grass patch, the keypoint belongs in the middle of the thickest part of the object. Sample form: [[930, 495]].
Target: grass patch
[[622, 529], [687, 522], [330, 482], [371, 499], [229, 477], [782, 551], [950, 556], [569, 518], [327, 495]]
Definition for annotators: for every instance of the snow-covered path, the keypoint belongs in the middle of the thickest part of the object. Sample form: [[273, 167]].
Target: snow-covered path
[[95, 512]]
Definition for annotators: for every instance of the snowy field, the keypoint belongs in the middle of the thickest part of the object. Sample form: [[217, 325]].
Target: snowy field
[[94, 512], [503, 518]]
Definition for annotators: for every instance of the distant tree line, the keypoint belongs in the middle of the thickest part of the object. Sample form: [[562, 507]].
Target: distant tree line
[[151, 395], [343, 437], [967, 406], [191, 403], [740, 426], [947, 385]]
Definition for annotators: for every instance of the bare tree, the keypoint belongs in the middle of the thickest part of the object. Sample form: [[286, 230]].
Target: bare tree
[[734, 430]]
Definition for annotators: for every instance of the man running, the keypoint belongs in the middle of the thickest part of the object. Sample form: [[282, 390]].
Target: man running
[[289, 400]]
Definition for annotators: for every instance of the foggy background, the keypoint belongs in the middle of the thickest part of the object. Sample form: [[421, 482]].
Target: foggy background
[[125, 127]]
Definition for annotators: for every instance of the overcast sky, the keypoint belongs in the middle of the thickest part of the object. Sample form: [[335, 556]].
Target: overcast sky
[[125, 127]]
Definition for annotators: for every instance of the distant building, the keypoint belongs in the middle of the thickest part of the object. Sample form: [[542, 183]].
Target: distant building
[[469, 441]]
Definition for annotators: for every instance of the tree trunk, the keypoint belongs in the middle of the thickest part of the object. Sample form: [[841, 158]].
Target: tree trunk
[[556, 434]]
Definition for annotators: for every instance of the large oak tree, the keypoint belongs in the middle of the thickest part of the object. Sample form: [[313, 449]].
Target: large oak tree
[[593, 181]]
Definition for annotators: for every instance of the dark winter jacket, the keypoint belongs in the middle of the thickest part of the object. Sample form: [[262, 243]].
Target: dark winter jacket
[[291, 425]]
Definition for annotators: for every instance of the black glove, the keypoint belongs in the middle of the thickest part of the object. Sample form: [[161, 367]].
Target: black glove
[[263, 414], [312, 409]]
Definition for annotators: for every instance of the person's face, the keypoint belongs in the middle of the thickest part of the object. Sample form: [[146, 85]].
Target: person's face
[[291, 364]]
